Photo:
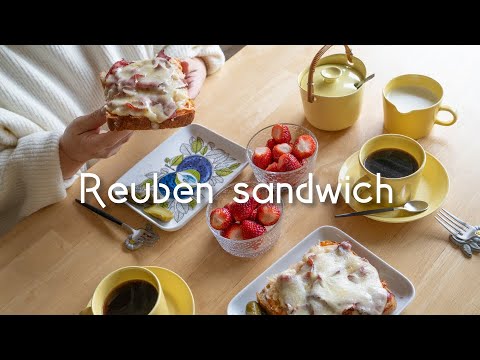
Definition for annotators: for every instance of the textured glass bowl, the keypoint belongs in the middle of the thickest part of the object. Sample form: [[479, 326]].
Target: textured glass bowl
[[244, 248], [294, 177]]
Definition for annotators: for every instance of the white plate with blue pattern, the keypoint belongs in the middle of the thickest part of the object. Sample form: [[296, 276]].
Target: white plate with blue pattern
[[193, 152]]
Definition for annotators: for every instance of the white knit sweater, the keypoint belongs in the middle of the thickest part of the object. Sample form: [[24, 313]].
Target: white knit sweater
[[42, 89]]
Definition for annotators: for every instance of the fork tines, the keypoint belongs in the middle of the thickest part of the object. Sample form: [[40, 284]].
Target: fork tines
[[452, 223]]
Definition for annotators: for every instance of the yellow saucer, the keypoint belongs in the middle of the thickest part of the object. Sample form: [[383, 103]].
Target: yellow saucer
[[433, 188], [177, 293]]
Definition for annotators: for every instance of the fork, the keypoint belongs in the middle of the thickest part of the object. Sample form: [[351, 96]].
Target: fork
[[464, 235], [137, 237], [455, 226]]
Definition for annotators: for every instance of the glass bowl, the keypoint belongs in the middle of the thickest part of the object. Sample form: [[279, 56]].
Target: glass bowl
[[244, 248], [294, 177]]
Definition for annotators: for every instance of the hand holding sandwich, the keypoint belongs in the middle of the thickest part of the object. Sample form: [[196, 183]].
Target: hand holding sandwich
[[83, 140]]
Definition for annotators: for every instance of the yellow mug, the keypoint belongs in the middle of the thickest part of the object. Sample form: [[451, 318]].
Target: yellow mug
[[411, 104], [119, 277], [403, 188]]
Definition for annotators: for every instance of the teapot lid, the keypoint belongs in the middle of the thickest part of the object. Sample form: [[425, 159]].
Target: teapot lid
[[332, 80]]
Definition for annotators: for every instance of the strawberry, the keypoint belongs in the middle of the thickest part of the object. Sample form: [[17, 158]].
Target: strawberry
[[262, 157], [272, 167], [268, 214], [250, 229], [253, 215], [304, 147], [220, 218], [288, 162], [228, 206], [281, 134], [234, 232], [243, 211], [281, 149], [271, 143]]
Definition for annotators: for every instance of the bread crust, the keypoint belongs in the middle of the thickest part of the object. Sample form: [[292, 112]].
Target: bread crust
[[182, 118], [272, 306]]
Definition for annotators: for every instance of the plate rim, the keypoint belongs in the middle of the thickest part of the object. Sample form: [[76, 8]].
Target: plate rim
[[179, 226], [405, 219], [356, 243]]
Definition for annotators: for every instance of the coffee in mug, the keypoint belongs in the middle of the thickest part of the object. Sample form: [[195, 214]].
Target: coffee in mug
[[391, 163], [134, 297], [132, 290], [399, 160]]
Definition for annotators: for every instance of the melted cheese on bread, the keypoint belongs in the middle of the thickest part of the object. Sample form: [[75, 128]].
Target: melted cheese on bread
[[152, 88], [331, 280]]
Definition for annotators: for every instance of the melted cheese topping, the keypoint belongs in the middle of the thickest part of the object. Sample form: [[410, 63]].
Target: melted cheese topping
[[154, 88], [331, 280]]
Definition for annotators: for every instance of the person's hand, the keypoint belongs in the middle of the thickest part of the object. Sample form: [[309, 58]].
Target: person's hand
[[195, 74], [83, 141]]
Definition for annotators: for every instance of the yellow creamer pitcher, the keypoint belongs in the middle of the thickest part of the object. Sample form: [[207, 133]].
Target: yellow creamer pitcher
[[330, 99]]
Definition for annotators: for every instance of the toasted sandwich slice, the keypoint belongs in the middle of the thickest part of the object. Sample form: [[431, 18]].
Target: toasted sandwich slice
[[147, 94], [330, 279]]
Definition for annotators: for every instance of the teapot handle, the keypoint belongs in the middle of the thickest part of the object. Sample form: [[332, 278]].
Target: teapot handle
[[313, 65]]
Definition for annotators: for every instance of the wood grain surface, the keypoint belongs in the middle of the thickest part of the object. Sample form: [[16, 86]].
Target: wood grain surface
[[51, 262]]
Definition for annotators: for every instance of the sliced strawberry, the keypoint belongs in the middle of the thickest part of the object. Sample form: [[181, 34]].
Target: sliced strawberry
[[271, 143], [221, 218], [281, 149], [268, 214], [253, 215], [272, 167], [250, 229], [288, 162], [304, 147], [234, 232], [117, 65], [304, 162], [241, 212], [281, 134], [262, 157], [228, 206]]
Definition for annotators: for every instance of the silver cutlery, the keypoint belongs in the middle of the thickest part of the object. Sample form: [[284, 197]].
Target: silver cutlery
[[462, 234], [413, 206], [360, 83], [137, 237]]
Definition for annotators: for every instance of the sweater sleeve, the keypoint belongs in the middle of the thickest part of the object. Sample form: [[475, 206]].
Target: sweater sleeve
[[212, 55], [31, 176]]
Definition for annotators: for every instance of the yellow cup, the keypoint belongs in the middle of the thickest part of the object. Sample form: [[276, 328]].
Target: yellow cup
[[411, 104], [118, 277], [404, 188]]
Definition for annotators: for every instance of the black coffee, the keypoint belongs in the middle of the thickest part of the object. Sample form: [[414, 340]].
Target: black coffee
[[391, 163], [135, 297]]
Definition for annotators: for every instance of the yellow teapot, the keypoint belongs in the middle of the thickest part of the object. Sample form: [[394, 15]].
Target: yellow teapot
[[331, 101]]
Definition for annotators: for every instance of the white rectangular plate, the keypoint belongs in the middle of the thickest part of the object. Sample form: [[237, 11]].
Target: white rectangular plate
[[226, 158], [401, 287]]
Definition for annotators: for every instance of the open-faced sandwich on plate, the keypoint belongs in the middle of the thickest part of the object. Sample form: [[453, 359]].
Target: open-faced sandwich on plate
[[147, 94], [330, 279]]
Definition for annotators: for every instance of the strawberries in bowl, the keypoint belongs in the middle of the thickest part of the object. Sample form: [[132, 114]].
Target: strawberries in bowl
[[246, 229], [293, 150]]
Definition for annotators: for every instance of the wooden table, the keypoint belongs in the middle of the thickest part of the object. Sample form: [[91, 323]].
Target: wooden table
[[52, 261]]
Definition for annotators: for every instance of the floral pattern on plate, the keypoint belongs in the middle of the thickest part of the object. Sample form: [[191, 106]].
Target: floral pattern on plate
[[217, 165]]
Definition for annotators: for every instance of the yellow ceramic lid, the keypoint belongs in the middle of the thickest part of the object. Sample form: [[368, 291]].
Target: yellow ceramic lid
[[333, 80]]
